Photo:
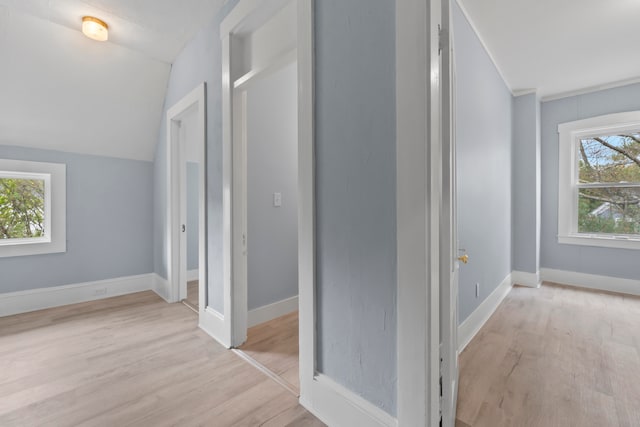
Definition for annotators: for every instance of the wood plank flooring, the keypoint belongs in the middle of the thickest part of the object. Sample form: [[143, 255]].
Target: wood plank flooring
[[554, 356], [131, 360], [274, 344], [192, 299]]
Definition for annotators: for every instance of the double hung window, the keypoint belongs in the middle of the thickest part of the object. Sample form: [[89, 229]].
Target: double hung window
[[599, 182]]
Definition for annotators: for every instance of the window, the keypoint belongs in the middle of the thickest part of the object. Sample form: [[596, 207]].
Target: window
[[32, 208], [23, 200], [599, 185]]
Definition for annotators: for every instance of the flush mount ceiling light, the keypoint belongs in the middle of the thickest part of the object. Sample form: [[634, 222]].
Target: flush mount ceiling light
[[95, 28]]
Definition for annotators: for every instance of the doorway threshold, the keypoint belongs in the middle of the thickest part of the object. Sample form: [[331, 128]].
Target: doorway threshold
[[190, 306], [268, 372]]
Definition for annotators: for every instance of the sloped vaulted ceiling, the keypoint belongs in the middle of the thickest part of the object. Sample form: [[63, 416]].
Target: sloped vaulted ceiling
[[62, 91]]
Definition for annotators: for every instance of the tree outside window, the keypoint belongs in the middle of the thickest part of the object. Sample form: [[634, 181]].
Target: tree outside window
[[609, 184], [33, 202], [599, 181], [22, 208]]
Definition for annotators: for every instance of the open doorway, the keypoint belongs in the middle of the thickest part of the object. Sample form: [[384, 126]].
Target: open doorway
[[190, 164], [263, 120], [186, 200], [269, 104]]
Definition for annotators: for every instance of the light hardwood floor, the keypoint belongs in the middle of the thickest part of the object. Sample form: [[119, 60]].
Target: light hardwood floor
[[192, 299], [554, 356], [274, 344], [131, 360]]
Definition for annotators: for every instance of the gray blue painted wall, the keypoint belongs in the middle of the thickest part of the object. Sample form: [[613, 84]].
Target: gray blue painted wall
[[483, 107], [585, 259], [356, 230], [356, 196], [192, 216], [200, 61], [526, 183], [109, 223], [272, 166]]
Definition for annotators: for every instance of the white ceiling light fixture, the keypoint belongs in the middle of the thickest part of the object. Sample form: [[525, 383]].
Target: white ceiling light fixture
[[160, 32], [95, 28]]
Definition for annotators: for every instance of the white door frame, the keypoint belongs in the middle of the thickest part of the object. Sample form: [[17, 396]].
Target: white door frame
[[419, 156], [449, 264], [250, 13], [419, 199], [176, 206], [239, 190]]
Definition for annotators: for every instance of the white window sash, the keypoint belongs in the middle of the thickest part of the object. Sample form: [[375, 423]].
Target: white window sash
[[568, 186], [55, 237]]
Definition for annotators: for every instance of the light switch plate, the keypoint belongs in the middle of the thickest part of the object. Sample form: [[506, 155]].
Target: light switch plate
[[277, 199]]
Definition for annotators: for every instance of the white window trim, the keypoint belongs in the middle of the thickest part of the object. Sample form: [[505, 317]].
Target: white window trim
[[568, 172], [55, 238], [46, 177]]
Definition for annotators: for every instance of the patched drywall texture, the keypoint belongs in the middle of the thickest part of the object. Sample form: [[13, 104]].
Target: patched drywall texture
[[109, 217], [356, 196]]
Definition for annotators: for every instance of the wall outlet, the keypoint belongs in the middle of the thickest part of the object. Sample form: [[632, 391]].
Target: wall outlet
[[277, 199], [101, 291], [477, 290]]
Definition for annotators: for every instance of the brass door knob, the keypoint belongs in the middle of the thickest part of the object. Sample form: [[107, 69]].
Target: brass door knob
[[464, 258]]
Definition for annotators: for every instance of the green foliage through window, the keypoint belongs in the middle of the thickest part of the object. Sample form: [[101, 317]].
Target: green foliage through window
[[22, 208], [609, 184]]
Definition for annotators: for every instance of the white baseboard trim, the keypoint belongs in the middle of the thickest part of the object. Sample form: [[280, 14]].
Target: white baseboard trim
[[271, 311], [472, 324], [193, 275], [591, 281], [161, 287], [337, 406], [43, 298], [523, 278], [470, 327], [212, 323]]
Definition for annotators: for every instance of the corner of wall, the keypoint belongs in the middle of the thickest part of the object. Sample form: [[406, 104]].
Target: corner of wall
[[472, 324], [485, 46], [529, 280], [160, 286]]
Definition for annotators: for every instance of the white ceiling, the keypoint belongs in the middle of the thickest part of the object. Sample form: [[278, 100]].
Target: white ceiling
[[62, 91], [559, 47], [157, 28]]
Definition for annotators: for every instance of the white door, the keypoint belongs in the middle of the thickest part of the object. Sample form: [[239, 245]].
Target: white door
[[177, 210], [182, 172], [186, 116], [451, 254]]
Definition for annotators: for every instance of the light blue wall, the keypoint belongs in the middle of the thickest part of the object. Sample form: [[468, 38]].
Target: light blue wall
[[526, 185], [272, 166], [483, 108], [585, 259], [109, 223], [356, 230], [192, 216], [355, 184], [200, 61]]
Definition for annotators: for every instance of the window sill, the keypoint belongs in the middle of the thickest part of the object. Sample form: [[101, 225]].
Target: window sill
[[55, 240], [32, 248], [26, 241], [601, 241]]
